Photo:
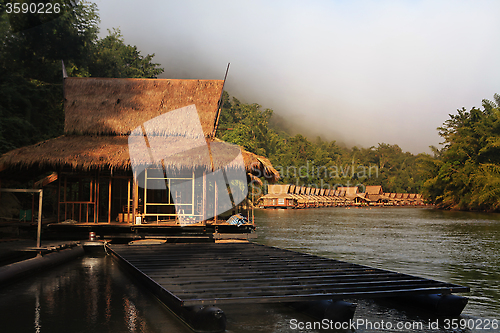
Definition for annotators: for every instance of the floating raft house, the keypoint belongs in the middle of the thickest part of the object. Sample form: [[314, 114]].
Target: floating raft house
[[292, 196]]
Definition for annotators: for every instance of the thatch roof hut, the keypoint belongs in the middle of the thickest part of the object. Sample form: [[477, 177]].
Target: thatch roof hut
[[101, 113], [374, 189], [104, 117], [278, 189]]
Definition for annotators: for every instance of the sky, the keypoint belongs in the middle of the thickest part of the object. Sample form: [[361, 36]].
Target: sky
[[358, 72]]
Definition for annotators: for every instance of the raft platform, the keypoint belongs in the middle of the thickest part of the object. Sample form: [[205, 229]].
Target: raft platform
[[187, 275]]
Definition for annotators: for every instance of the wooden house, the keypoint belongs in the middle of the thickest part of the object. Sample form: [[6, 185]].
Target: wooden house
[[278, 196], [375, 195], [99, 177]]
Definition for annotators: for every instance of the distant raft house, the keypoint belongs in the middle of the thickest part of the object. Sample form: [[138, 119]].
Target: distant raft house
[[292, 196], [89, 171]]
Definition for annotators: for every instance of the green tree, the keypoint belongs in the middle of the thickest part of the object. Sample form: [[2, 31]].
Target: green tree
[[113, 58], [31, 49], [466, 175]]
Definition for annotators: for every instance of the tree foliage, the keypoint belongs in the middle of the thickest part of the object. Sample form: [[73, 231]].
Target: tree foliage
[[466, 174], [112, 58], [31, 49]]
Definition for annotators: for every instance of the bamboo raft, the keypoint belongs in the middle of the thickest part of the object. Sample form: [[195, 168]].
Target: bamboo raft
[[193, 276]]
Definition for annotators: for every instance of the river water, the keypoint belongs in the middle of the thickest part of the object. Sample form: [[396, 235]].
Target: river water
[[93, 294]]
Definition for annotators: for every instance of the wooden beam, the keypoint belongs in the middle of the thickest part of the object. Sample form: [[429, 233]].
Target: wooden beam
[[204, 198], [135, 197], [215, 200], [97, 197], [109, 200], [58, 198]]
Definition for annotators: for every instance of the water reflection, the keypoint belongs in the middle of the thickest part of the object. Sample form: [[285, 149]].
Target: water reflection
[[94, 295], [455, 247], [87, 295]]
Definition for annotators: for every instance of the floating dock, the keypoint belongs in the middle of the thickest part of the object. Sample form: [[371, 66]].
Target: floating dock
[[213, 274]]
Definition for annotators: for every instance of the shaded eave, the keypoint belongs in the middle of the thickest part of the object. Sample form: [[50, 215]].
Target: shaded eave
[[91, 152]]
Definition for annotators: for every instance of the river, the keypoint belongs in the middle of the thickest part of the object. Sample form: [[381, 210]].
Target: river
[[94, 295]]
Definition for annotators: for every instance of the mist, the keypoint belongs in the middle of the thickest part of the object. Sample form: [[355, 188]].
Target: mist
[[359, 72]]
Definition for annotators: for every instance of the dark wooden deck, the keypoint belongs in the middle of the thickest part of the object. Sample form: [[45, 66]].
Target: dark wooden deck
[[150, 230], [214, 273]]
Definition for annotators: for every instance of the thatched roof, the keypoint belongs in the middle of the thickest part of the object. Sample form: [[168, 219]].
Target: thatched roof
[[277, 189], [374, 189], [117, 123], [118, 106], [86, 152]]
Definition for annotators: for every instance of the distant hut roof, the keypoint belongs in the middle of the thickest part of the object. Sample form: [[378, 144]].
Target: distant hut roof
[[374, 189], [277, 189]]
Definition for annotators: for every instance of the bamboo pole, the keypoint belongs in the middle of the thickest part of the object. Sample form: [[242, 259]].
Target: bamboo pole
[[128, 201], [39, 230], [58, 197], [145, 201], [64, 198], [215, 201], [109, 200], [135, 197], [204, 198], [193, 196], [98, 195], [253, 216]]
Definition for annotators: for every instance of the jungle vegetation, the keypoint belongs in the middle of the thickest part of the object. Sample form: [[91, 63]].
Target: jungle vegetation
[[31, 49], [464, 174]]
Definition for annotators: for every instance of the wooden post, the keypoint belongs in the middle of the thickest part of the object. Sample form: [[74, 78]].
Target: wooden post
[[109, 200], [33, 205], [128, 201], [58, 197], [144, 203], [204, 198], [64, 198], [215, 201], [135, 197], [192, 195], [97, 197], [39, 230], [253, 216], [90, 196]]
